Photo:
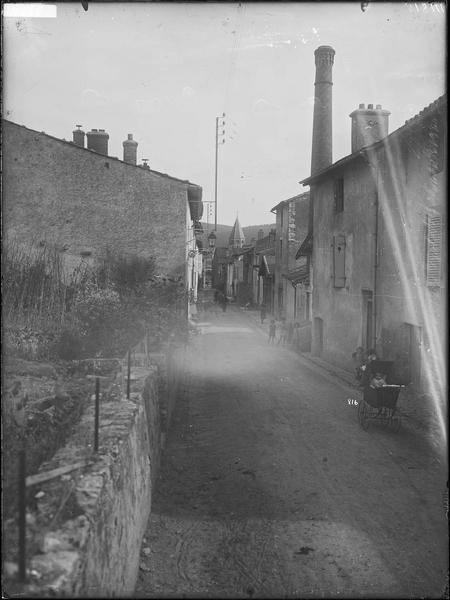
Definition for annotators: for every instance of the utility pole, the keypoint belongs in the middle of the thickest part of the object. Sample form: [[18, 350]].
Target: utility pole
[[217, 159]]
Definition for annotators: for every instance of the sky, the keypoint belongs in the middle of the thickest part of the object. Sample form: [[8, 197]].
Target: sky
[[165, 71]]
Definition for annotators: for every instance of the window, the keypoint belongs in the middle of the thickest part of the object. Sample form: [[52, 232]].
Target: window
[[339, 261], [433, 250], [338, 195]]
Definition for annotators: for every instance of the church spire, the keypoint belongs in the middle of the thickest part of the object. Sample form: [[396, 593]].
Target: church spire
[[237, 238]]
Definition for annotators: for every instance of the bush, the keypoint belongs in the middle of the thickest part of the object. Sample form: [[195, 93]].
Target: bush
[[70, 344], [91, 311]]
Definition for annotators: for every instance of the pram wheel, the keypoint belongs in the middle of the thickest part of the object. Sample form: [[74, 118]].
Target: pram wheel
[[362, 415], [395, 423]]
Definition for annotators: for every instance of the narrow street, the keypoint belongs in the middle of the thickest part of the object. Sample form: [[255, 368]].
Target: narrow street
[[270, 488]]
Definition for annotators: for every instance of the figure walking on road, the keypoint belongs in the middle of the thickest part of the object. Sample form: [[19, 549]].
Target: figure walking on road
[[263, 313], [272, 332], [283, 333], [224, 303]]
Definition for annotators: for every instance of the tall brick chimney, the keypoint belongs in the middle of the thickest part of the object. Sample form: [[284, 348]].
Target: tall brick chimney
[[130, 150], [369, 125], [97, 139], [322, 148], [78, 136]]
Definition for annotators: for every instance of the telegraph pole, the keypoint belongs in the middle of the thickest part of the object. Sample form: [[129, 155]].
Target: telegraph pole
[[217, 158]]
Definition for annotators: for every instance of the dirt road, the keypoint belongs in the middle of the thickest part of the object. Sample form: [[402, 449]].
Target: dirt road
[[269, 487]]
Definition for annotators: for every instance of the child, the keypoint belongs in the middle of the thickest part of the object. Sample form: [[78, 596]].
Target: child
[[263, 313], [378, 381], [359, 360], [283, 333], [272, 331], [371, 355]]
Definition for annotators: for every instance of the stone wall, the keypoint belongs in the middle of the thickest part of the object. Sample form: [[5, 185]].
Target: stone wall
[[86, 528], [57, 193]]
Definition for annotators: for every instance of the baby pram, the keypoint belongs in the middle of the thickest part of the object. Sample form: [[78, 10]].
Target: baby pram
[[379, 404]]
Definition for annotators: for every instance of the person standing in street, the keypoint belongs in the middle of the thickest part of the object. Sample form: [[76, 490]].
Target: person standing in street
[[224, 302], [283, 333], [272, 331], [263, 313]]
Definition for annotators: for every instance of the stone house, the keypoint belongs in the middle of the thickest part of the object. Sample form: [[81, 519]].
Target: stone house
[[292, 299], [83, 201], [264, 261], [379, 238]]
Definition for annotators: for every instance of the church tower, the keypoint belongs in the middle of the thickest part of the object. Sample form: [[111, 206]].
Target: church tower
[[236, 239]]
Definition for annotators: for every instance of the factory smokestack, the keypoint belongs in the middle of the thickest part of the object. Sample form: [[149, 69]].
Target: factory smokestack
[[322, 147]]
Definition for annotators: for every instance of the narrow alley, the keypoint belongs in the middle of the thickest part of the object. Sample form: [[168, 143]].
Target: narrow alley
[[269, 487]]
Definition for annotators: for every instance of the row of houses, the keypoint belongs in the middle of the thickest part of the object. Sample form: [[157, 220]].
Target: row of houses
[[357, 259], [76, 198]]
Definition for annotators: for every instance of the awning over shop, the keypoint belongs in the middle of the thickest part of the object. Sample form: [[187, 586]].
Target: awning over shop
[[264, 270], [300, 275], [307, 247]]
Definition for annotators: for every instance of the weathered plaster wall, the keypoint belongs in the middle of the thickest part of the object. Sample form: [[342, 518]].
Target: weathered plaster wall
[[410, 193], [341, 308], [59, 193]]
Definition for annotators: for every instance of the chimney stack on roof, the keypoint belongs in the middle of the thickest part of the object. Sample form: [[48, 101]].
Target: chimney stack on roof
[[78, 136], [130, 150], [369, 125], [322, 149], [97, 140], [260, 234]]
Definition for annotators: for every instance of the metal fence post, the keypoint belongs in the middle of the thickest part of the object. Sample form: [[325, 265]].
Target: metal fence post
[[22, 516], [129, 374], [97, 413]]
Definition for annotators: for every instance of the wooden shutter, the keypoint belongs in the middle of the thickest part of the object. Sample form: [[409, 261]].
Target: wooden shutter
[[433, 250], [339, 260]]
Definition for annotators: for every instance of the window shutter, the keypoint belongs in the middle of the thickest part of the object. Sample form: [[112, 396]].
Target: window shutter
[[339, 261], [434, 243]]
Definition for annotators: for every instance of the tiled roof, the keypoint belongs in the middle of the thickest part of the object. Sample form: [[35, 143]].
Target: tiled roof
[[299, 275], [432, 107], [306, 247], [438, 104], [299, 197]]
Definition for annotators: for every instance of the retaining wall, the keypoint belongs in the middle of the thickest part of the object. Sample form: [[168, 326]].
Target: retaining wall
[[86, 529]]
